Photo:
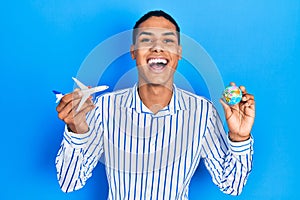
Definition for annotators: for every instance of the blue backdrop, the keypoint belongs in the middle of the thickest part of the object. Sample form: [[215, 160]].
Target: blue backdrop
[[43, 44]]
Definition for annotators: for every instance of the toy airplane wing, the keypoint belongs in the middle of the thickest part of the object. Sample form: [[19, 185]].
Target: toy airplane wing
[[81, 85], [83, 99]]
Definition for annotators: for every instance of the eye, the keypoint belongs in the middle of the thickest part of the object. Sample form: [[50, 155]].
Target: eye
[[145, 40], [168, 41]]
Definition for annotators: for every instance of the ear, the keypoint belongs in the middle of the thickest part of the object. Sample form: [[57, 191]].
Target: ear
[[179, 52], [132, 52]]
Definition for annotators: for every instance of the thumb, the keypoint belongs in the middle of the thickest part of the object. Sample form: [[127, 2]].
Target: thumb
[[226, 108]]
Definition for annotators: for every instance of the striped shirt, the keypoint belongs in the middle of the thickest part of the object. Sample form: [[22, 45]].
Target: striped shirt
[[153, 156]]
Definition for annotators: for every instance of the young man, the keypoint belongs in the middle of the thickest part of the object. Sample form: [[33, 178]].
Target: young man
[[153, 135]]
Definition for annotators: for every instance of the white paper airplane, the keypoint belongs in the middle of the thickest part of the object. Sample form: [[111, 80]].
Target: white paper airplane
[[86, 91]]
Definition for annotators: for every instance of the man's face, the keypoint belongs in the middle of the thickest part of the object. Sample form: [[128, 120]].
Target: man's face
[[156, 51]]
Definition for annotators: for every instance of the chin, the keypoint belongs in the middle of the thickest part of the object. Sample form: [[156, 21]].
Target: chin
[[160, 82]]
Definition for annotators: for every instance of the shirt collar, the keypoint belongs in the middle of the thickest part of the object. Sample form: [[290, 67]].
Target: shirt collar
[[177, 103]]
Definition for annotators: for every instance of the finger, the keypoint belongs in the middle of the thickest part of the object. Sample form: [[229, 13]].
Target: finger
[[252, 106], [70, 117], [87, 109], [77, 118], [243, 89], [63, 102], [247, 97], [226, 108], [68, 109], [232, 83], [250, 103], [84, 103], [244, 104], [76, 94], [89, 103]]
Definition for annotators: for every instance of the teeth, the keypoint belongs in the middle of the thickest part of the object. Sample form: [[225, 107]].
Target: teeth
[[157, 60]]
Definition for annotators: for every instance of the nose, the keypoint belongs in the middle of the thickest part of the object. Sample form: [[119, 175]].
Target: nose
[[157, 46]]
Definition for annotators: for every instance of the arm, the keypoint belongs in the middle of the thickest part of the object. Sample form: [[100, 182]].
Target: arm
[[79, 152], [229, 163], [229, 158]]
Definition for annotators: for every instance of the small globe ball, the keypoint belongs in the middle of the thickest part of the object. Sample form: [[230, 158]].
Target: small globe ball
[[232, 95]]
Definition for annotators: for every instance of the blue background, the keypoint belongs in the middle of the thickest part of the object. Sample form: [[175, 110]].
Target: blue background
[[43, 43]]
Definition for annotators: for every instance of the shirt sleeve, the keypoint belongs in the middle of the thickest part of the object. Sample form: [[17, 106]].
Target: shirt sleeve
[[229, 163], [80, 153]]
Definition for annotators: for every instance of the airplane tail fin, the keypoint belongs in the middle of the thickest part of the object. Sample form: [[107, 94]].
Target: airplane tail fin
[[58, 95], [56, 92]]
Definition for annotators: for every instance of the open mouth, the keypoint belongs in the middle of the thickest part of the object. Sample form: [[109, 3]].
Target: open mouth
[[157, 64]]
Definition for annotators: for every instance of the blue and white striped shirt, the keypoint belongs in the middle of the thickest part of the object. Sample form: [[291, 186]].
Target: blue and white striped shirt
[[153, 156]]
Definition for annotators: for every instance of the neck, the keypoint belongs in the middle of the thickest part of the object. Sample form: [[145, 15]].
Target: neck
[[155, 97]]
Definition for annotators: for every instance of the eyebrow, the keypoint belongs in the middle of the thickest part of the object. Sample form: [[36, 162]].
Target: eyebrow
[[169, 33], [145, 33], [149, 33]]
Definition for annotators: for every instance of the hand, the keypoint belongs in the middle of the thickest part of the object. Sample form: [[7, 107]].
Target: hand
[[240, 117], [76, 121]]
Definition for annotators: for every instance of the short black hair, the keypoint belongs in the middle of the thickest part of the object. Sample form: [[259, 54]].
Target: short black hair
[[155, 13]]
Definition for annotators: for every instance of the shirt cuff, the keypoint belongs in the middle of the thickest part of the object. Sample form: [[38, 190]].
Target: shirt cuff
[[241, 148], [76, 140]]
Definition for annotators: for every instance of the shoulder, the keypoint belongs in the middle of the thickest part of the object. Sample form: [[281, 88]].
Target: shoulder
[[197, 103], [119, 95], [191, 98]]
